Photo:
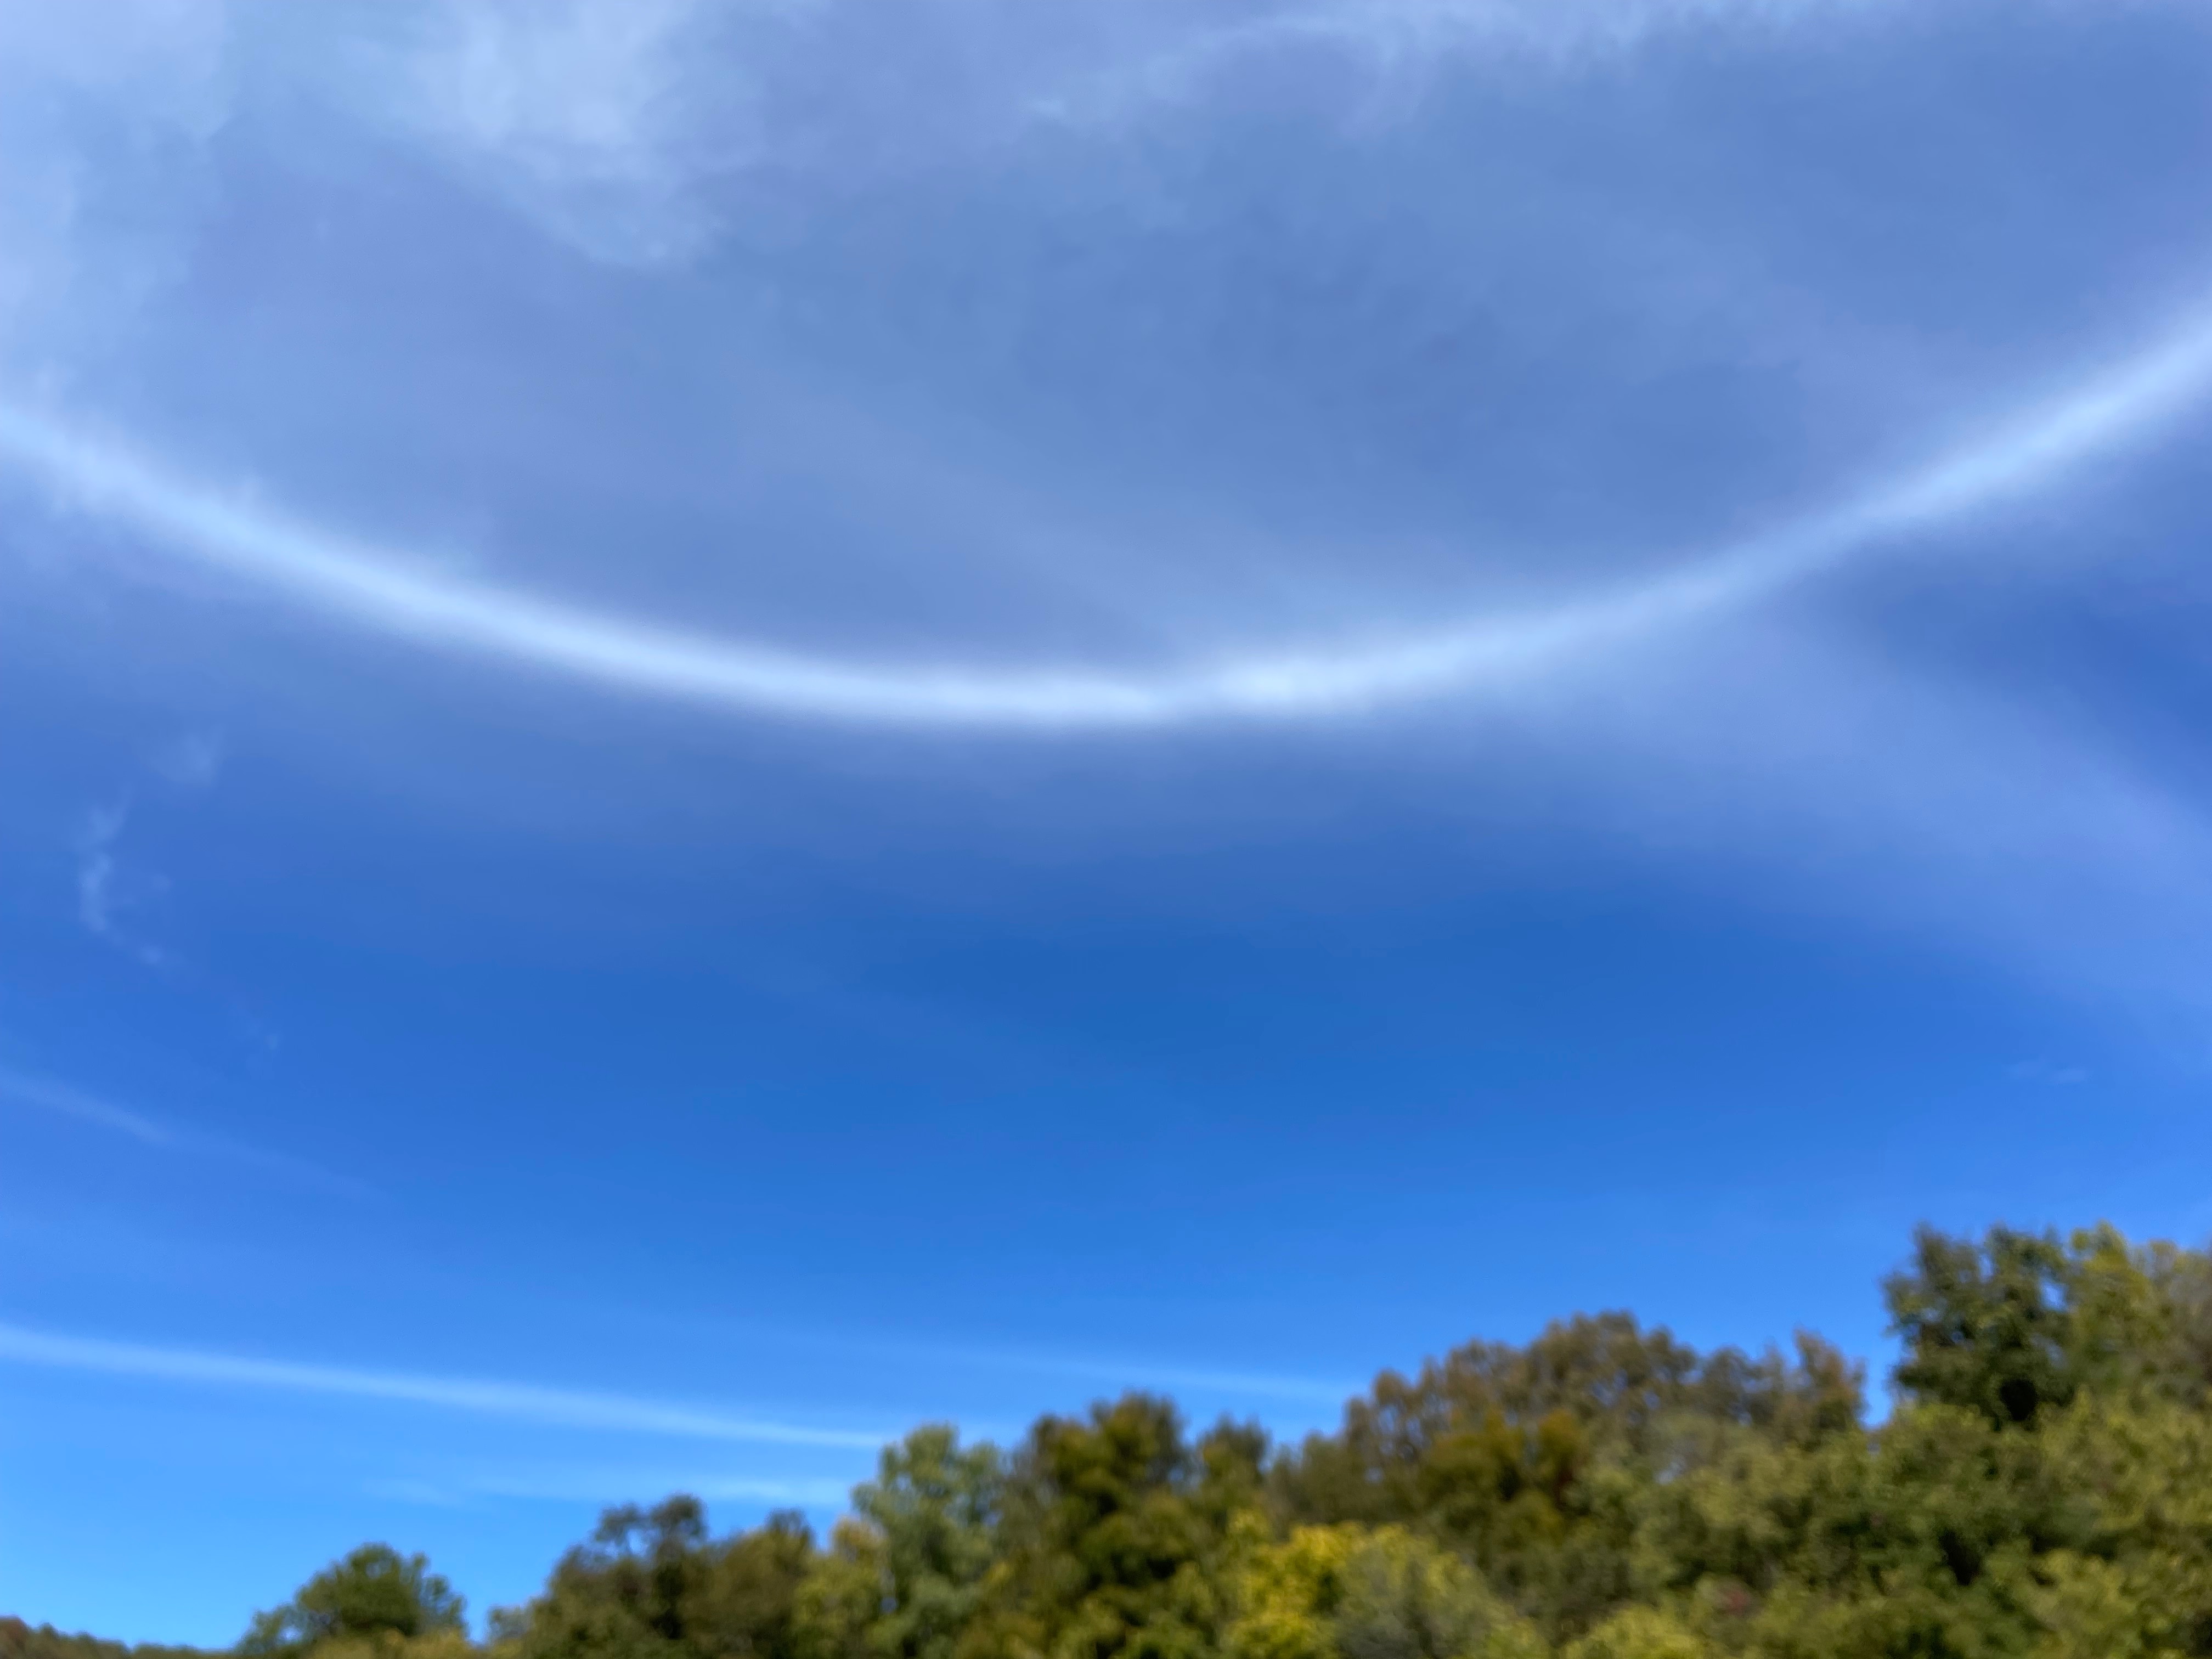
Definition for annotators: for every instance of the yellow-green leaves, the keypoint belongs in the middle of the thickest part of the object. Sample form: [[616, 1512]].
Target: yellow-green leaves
[[1347, 1592], [1642, 1633]]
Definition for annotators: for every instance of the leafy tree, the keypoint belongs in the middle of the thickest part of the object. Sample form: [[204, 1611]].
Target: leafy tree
[[935, 1506], [372, 1591], [1920, 1540], [1986, 1326], [652, 1584], [2020, 1323], [1116, 1534]]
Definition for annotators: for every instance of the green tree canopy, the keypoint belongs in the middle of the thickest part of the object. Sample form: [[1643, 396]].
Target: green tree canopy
[[652, 1584], [2019, 1323], [375, 1589], [1114, 1537], [2043, 1489]]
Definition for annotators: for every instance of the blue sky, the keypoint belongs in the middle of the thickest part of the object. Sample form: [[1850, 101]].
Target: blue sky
[[726, 725]]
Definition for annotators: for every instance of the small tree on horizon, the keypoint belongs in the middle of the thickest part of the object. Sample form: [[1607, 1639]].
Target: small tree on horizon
[[373, 1590]]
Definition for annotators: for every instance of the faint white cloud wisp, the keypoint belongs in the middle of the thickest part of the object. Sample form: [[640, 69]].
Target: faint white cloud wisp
[[76, 256], [48, 1095], [590, 117], [2002, 820], [1400, 41], [517, 1401], [105, 888], [615, 124], [192, 761]]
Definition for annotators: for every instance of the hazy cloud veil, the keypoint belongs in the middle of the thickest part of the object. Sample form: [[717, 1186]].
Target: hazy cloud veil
[[753, 174], [919, 629]]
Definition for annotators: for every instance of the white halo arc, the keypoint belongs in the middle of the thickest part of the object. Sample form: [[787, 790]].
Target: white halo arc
[[378, 589]]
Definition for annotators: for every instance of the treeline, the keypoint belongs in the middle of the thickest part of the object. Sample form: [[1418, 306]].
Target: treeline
[[20, 1641], [2043, 1488]]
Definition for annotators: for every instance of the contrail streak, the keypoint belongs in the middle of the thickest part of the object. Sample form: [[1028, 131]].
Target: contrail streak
[[49, 1095], [21, 1088], [517, 1401], [379, 588]]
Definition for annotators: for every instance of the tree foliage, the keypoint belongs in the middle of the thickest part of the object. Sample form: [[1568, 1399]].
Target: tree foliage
[[18, 1640], [2041, 1490], [652, 1584], [375, 1591], [1354, 1592], [1113, 1538]]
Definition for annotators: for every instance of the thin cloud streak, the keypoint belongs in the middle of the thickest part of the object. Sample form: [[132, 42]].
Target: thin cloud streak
[[378, 588], [48, 1095], [515, 1401], [1413, 34]]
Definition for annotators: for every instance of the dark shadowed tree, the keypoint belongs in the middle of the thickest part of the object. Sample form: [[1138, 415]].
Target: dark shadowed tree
[[652, 1584], [372, 1590], [1985, 1327]]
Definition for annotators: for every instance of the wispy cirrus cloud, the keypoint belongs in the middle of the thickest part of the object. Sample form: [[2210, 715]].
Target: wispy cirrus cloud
[[1753, 556], [1996, 823], [590, 120], [630, 128], [193, 760], [108, 887], [520, 1402], [79, 257], [618, 1484], [2022, 454], [50, 1095], [1398, 45], [595, 119]]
